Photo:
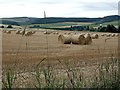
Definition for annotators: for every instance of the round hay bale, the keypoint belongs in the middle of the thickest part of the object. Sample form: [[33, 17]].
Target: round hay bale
[[105, 34], [112, 35], [28, 33], [108, 35], [68, 33], [94, 36], [8, 32], [22, 32], [18, 32], [33, 32], [53, 32], [88, 39], [102, 34], [64, 39], [56, 32], [47, 32], [78, 39], [65, 33]]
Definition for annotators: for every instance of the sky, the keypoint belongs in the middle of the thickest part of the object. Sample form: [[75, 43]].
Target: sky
[[58, 8]]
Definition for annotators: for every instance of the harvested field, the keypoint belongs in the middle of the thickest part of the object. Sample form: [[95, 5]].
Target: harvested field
[[23, 54], [33, 49]]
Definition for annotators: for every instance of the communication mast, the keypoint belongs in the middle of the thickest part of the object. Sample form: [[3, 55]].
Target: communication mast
[[44, 14]]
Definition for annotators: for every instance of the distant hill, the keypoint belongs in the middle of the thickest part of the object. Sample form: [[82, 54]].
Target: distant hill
[[30, 20], [109, 19], [9, 22]]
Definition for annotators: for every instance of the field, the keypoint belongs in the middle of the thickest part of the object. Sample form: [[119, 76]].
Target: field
[[62, 24], [24, 53]]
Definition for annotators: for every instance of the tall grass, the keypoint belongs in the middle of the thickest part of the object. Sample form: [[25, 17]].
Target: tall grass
[[106, 75], [8, 81], [50, 79]]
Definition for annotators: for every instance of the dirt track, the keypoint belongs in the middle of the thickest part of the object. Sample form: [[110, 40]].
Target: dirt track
[[27, 52]]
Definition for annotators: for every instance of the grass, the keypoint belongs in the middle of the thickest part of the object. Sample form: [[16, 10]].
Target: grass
[[62, 24], [8, 80], [106, 76], [113, 23]]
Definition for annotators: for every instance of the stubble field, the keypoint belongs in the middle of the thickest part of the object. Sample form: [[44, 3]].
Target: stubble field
[[24, 53]]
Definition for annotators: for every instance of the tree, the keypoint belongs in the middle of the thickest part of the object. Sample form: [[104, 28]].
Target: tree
[[108, 28], [2, 26], [111, 28], [9, 26], [87, 27], [102, 29]]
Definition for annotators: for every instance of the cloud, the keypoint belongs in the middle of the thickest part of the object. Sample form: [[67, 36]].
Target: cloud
[[97, 5], [55, 8], [100, 6]]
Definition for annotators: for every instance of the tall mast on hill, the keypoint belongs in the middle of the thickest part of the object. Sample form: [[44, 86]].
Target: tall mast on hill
[[44, 14]]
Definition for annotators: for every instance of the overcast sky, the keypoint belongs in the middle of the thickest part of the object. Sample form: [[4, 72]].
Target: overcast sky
[[58, 8]]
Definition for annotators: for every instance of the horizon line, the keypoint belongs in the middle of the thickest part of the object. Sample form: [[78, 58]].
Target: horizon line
[[57, 17]]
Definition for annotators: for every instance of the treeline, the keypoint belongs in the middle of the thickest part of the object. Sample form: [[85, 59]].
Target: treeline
[[101, 28], [107, 28]]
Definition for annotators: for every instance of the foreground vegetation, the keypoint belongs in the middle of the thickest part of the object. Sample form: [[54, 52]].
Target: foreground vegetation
[[106, 75]]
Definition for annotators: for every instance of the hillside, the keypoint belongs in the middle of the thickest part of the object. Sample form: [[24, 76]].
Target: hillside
[[109, 19], [31, 20]]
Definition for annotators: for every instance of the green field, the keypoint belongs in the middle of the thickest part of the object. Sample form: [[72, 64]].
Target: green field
[[113, 23], [68, 24], [62, 24]]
